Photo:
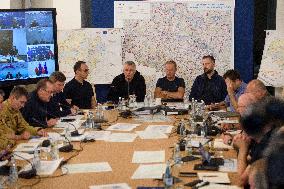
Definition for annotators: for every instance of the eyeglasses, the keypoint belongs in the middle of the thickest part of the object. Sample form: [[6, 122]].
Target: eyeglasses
[[85, 70]]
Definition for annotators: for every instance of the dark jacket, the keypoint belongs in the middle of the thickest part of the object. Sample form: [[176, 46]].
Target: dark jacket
[[121, 88], [35, 111], [212, 90], [58, 105]]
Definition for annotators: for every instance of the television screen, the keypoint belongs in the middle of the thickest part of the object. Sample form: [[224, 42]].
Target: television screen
[[28, 49]]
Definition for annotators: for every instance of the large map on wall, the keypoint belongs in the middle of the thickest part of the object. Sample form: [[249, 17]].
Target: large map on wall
[[184, 31], [272, 65], [100, 48]]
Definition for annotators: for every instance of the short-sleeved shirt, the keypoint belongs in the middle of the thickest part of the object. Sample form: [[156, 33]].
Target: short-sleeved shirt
[[171, 86], [237, 94], [80, 93]]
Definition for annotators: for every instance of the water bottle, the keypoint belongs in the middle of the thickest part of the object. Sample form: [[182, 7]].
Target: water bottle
[[13, 175], [168, 178], [36, 160], [89, 121], [99, 113], [146, 102], [67, 134], [177, 157], [189, 146], [119, 106], [54, 151]]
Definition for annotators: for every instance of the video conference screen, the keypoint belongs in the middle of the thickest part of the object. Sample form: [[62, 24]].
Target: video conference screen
[[27, 44]]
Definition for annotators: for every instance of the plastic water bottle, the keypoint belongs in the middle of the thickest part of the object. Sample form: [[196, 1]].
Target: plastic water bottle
[[168, 178], [54, 151], [119, 106], [36, 160], [189, 146], [67, 134], [177, 157], [13, 176]]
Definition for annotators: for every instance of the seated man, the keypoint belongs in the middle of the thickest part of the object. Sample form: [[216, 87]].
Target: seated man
[[209, 87], [130, 82], [35, 111], [58, 105], [170, 87], [257, 88], [12, 123], [235, 88], [78, 91], [5, 142]]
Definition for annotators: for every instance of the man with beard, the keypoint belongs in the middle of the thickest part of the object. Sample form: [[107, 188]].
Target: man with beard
[[209, 87]]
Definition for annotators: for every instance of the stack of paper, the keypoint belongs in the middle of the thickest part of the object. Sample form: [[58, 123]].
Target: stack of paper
[[148, 156], [122, 127]]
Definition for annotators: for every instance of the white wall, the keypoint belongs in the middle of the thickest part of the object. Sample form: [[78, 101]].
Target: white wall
[[5, 4]]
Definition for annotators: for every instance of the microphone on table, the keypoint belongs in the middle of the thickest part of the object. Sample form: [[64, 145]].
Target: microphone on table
[[66, 148]]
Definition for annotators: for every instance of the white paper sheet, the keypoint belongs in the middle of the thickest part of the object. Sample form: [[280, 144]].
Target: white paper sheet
[[214, 177], [149, 171], [122, 127], [86, 167], [22, 156], [151, 135], [230, 165], [2, 163], [27, 147], [219, 144], [159, 128], [122, 137], [111, 186], [151, 118], [97, 135], [148, 156], [195, 141]]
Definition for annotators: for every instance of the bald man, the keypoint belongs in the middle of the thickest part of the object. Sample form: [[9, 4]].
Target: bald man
[[257, 88]]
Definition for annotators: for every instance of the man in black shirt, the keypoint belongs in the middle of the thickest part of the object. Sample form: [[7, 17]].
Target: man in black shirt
[[209, 87], [170, 87], [58, 104], [35, 111], [78, 91], [130, 82]]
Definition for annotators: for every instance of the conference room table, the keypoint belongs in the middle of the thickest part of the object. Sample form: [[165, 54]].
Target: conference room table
[[119, 156]]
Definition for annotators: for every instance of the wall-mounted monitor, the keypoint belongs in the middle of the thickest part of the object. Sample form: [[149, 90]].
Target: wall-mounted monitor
[[28, 45]]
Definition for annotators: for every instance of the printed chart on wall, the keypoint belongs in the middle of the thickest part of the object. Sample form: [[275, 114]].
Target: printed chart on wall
[[100, 48], [183, 31], [272, 65]]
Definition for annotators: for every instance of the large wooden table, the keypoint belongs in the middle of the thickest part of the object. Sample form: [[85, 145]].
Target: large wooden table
[[119, 156]]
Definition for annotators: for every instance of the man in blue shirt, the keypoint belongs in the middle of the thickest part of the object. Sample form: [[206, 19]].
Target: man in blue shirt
[[209, 87], [235, 88], [170, 87]]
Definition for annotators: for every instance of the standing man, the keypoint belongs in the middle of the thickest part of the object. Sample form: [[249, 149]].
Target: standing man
[[78, 91], [209, 87], [12, 123], [130, 82], [58, 103], [170, 87], [36, 110]]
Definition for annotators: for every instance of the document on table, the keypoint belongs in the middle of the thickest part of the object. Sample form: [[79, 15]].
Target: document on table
[[27, 147], [122, 137], [148, 156], [195, 141], [122, 127], [214, 177], [151, 135], [111, 186], [230, 165], [55, 136], [152, 118], [46, 167], [97, 135], [219, 144], [86, 167], [220, 186], [160, 128], [22, 156], [152, 171]]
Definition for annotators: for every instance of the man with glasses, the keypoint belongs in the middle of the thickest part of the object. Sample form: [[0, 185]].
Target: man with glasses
[[12, 124], [35, 111], [78, 91]]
